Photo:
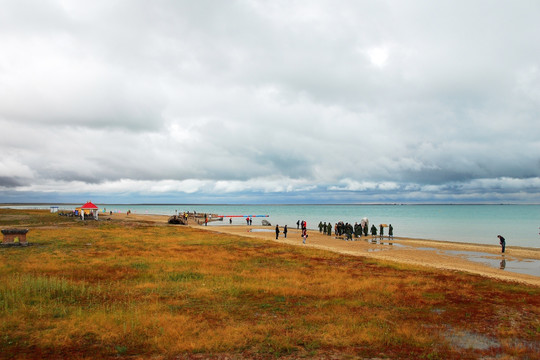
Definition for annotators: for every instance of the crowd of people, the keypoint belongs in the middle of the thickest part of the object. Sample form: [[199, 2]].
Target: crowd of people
[[357, 230], [342, 229], [339, 229]]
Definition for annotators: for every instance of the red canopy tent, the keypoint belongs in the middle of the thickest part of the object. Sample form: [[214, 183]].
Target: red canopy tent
[[90, 208]]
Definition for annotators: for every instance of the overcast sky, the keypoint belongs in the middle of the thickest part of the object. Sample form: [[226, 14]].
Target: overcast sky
[[270, 101]]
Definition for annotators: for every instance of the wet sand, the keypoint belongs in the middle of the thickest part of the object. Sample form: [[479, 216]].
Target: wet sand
[[420, 252]]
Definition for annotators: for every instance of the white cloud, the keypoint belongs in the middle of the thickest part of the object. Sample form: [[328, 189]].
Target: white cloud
[[11, 166], [378, 56], [352, 185], [415, 100]]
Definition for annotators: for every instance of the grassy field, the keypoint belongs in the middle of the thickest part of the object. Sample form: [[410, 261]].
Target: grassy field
[[107, 289]]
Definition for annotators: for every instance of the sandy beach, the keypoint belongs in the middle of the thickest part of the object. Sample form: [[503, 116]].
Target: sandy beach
[[420, 252]]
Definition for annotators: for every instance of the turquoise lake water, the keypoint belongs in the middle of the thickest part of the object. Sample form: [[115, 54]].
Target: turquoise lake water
[[519, 224]]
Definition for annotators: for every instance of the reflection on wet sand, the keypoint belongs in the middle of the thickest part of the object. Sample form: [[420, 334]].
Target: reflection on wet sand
[[522, 266]]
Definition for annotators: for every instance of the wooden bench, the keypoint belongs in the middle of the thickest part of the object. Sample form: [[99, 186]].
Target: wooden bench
[[10, 235]]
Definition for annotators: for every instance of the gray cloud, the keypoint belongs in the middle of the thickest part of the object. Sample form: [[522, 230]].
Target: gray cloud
[[310, 99], [9, 182]]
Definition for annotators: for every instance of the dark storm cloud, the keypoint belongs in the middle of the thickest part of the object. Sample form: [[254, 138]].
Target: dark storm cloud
[[9, 182]]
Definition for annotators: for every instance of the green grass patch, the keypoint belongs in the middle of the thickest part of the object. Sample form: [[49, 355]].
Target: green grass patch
[[185, 276]]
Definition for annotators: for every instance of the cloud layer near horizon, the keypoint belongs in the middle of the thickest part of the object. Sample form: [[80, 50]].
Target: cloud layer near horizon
[[270, 101]]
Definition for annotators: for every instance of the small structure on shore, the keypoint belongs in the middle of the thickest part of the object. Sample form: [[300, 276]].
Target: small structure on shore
[[178, 220], [10, 235], [194, 217], [89, 209]]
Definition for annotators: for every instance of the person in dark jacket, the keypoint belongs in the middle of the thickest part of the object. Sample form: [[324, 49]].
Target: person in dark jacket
[[502, 241], [277, 231], [348, 232]]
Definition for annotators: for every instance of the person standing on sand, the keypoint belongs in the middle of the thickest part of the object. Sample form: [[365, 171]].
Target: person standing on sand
[[356, 229], [304, 235], [373, 231], [277, 231], [381, 231], [285, 231], [390, 231], [298, 224], [348, 232], [502, 241]]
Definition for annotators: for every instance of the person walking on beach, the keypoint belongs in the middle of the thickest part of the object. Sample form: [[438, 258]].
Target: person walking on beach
[[390, 232], [320, 226], [502, 241], [285, 231], [304, 235], [277, 231], [329, 229], [298, 224], [381, 231]]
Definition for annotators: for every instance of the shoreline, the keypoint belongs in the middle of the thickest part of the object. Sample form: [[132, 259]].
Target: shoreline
[[159, 218], [478, 225], [418, 252]]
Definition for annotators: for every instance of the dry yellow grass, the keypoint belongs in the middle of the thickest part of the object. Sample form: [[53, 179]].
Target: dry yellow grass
[[109, 290]]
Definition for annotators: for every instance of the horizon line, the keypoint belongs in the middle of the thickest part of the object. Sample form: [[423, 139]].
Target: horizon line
[[274, 204]]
